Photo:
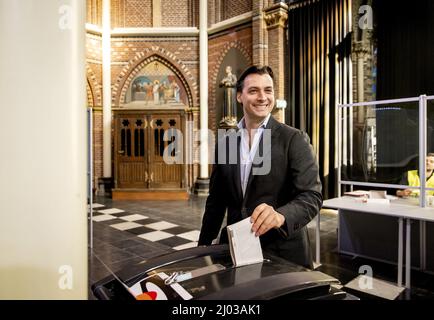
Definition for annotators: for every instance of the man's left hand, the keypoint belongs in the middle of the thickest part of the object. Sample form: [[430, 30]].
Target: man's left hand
[[264, 218]]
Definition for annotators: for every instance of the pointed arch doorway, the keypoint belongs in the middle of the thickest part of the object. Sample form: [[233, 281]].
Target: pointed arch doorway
[[146, 128], [140, 169]]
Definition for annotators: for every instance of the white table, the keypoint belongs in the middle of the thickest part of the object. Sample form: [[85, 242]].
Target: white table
[[402, 209]]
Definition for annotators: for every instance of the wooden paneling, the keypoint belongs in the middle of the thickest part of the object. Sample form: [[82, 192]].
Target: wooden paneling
[[162, 174], [139, 149], [132, 174]]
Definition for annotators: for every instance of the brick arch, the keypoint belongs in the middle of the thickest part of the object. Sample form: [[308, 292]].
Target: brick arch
[[163, 56], [90, 98], [94, 88]]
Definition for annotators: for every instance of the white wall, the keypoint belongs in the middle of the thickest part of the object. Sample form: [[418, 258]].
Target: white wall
[[43, 224]]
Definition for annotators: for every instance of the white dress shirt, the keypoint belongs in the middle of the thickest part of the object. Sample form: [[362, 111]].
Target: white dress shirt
[[247, 154]]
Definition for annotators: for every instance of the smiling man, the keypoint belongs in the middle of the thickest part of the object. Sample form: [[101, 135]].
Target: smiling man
[[281, 200]]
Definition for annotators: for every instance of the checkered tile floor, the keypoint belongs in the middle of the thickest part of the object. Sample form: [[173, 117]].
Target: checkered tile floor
[[162, 232]]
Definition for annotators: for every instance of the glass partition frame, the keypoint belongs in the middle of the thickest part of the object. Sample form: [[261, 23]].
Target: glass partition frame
[[422, 100]]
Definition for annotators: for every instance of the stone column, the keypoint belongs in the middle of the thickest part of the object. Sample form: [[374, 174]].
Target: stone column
[[259, 34], [107, 99], [43, 233], [275, 18], [201, 186], [361, 50]]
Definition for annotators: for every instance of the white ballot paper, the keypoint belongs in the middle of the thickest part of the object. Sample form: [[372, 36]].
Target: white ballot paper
[[244, 245]]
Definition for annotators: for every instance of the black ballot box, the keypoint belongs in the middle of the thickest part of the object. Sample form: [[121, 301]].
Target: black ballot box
[[207, 273]]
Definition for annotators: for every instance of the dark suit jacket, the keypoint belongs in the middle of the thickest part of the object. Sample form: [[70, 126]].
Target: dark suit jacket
[[292, 187]]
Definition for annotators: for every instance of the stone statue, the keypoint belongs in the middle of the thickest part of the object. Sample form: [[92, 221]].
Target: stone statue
[[229, 118]]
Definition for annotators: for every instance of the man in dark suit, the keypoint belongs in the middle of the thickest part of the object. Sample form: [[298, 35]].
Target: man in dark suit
[[274, 178]]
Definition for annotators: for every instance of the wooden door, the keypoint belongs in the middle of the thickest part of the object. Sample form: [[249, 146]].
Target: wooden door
[[131, 151], [139, 150], [161, 173]]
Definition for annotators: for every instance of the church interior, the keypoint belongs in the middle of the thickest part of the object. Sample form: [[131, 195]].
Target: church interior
[[86, 185]]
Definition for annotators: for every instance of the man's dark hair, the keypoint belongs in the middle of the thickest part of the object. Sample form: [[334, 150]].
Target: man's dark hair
[[251, 70]]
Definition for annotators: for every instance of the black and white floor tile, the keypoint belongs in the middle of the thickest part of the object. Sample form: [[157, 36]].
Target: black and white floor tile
[[144, 227]]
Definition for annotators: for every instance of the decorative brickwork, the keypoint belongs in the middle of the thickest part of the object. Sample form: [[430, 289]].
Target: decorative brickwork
[[141, 59], [94, 12], [135, 14], [93, 47], [97, 145], [89, 94], [259, 32], [115, 10], [94, 97], [232, 8], [93, 68], [175, 13], [95, 87], [195, 14], [94, 82], [139, 13]]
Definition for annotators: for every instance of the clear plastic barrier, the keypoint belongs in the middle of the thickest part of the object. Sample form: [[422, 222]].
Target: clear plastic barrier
[[380, 144]]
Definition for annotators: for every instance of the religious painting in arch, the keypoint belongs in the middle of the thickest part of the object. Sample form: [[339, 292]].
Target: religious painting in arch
[[155, 85]]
